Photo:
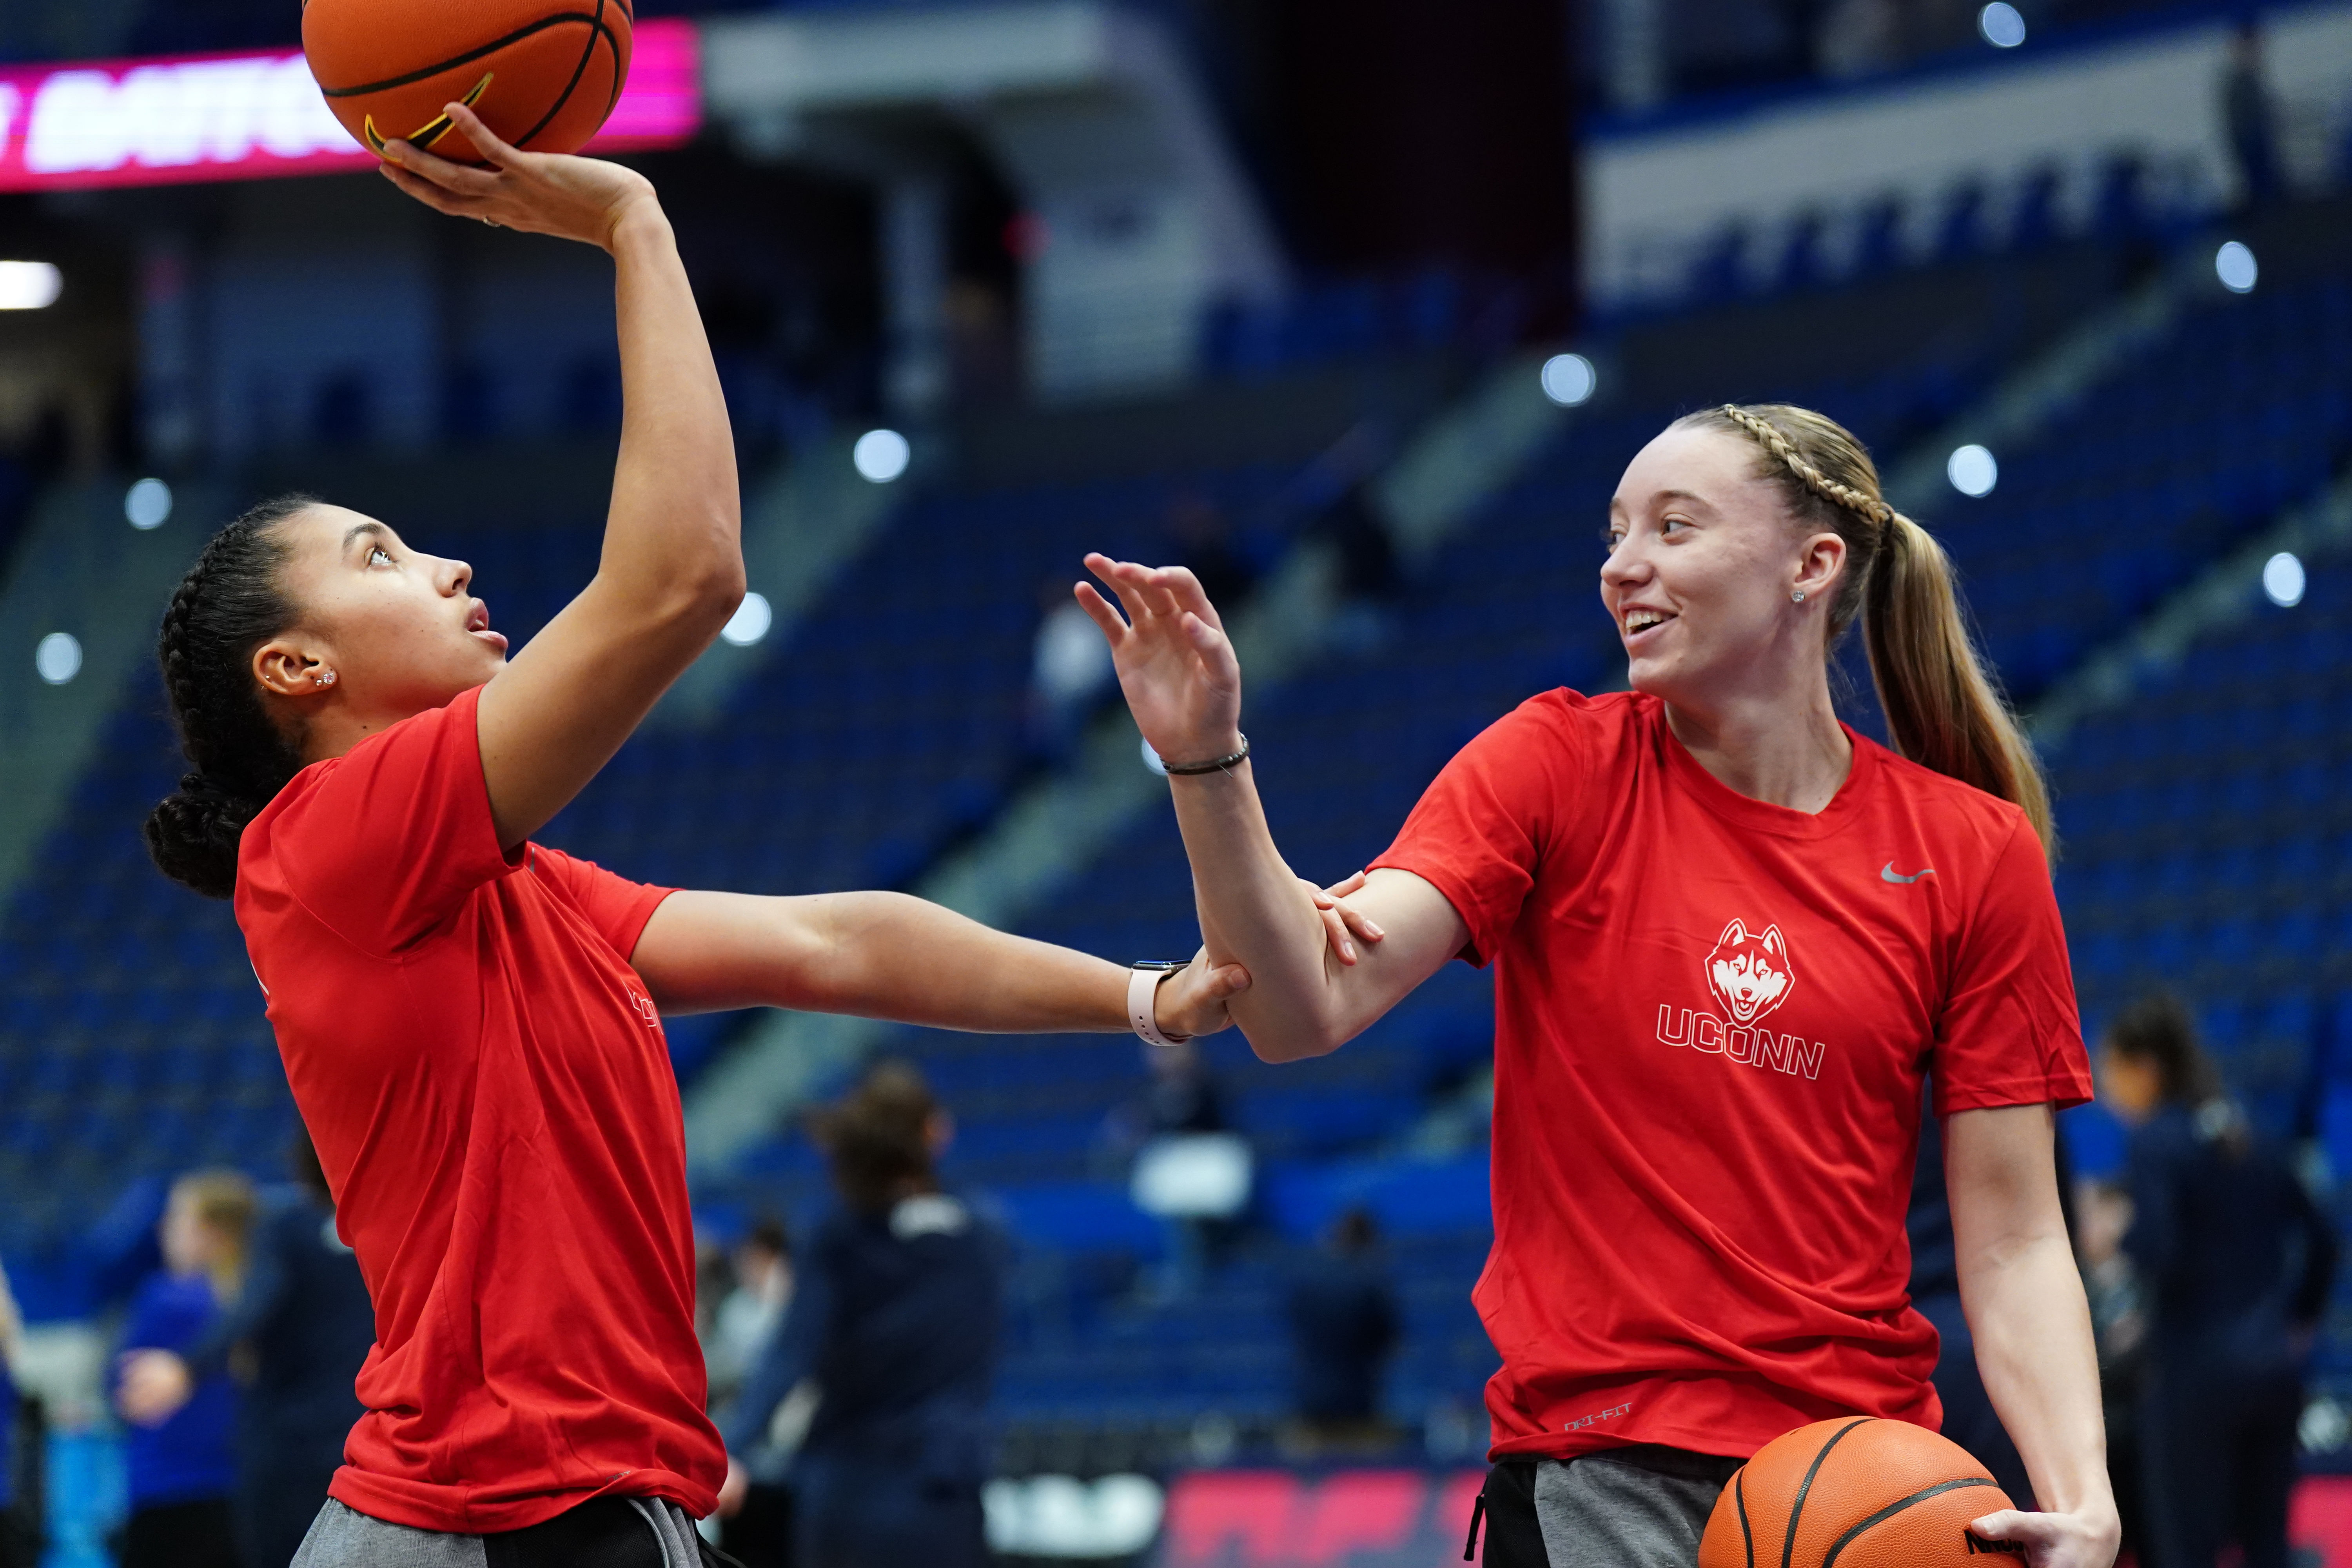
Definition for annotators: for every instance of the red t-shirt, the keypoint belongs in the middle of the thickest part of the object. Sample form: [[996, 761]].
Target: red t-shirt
[[491, 1096], [1712, 1020]]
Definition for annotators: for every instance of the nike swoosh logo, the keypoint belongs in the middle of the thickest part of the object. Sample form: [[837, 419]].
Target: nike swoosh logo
[[1892, 874]]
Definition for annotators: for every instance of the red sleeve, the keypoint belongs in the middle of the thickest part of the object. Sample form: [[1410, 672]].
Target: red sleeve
[[2010, 1033], [1479, 831], [615, 906], [382, 844]]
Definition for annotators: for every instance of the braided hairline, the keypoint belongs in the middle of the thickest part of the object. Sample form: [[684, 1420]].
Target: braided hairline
[[1813, 480], [187, 700]]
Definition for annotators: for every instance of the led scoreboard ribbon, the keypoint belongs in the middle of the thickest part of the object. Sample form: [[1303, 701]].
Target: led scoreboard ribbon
[[254, 116]]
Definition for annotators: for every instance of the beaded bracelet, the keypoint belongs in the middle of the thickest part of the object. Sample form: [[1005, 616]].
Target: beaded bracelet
[[1221, 765]]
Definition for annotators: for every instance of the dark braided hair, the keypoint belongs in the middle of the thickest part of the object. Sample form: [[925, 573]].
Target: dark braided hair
[[228, 606]]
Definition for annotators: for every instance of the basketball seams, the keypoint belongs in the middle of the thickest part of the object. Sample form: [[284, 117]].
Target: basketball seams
[[590, 20], [1898, 1506], [595, 31], [1739, 1499], [1797, 1508]]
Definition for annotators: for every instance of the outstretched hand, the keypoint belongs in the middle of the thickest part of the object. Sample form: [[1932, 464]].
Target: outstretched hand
[[539, 193], [2054, 1540], [1174, 661]]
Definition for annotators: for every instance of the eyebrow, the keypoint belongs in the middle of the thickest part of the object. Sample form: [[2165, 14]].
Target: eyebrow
[[352, 534]]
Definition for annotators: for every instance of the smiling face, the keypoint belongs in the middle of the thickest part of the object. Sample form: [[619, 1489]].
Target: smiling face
[[1703, 558], [397, 627]]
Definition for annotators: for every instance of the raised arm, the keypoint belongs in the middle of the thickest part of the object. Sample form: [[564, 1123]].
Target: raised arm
[[672, 571], [1307, 995], [2023, 1297]]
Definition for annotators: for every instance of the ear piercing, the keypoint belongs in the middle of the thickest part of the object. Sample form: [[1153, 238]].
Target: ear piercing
[[1797, 596], [322, 677]]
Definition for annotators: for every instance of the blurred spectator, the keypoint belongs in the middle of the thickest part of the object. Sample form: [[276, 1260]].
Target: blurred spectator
[[1371, 578], [1343, 1326], [894, 1319], [1203, 541], [15, 1551], [2120, 1327], [747, 1317], [2248, 117], [1070, 673], [180, 1468], [1188, 1169], [298, 1332], [2237, 1263]]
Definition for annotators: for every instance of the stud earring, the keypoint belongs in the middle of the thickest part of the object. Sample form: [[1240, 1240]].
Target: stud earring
[[1797, 596], [322, 677]]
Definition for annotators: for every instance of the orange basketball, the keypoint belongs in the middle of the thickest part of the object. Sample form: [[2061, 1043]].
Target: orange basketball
[[543, 74], [1854, 1493]]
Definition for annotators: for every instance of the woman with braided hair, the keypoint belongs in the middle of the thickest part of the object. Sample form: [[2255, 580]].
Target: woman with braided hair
[[1732, 941], [470, 1022]]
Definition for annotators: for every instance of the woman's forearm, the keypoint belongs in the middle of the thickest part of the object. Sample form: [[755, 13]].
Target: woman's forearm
[[1256, 912], [674, 524], [2034, 1351], [890, 955]]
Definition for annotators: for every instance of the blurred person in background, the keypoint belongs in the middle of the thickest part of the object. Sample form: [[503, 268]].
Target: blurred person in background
[[2249, 117], [1202, 538], [16, 1550], [761, 1269], [1186, 1165], [894, 1319], [2237, 1263], [1070, 675], [2119, 1325], [1343, 1326], [296, 1336], [180, 1468]]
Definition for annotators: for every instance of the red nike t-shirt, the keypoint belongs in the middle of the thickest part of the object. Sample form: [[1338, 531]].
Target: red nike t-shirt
[[1713, 1018], [491, 1096]]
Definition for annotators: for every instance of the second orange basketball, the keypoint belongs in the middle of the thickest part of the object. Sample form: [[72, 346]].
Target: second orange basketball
[[543, 74], [1855, 1493]]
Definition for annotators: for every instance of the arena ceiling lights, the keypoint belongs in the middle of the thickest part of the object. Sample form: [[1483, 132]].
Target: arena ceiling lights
[[256, 116]]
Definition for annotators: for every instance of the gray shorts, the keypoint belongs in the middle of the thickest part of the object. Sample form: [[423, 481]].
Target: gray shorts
[[344, 1537], [1640, 1507]]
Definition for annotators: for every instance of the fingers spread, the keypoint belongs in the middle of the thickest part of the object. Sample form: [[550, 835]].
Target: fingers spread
[[1341, 888], [1122, 576], [1361, 924]]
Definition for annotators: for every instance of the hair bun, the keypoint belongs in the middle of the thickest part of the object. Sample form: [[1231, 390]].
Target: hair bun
[[193, 835]]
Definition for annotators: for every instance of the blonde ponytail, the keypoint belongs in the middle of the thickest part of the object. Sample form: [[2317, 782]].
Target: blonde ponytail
[[1942, 710]]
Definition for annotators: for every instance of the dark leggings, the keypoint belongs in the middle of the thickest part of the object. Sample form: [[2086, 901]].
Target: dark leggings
[[181, 1535]]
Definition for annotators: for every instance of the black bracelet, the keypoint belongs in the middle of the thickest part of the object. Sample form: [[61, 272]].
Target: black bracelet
[[1221, 764]]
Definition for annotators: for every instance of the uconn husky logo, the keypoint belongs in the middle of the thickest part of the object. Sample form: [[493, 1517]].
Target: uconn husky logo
[[1750, 974]]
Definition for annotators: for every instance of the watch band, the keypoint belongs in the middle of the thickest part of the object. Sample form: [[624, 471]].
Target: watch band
[[1142, 988]]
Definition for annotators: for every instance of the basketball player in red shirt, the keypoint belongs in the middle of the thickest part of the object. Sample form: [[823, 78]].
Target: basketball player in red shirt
[[470, 1022], [1732, 939]]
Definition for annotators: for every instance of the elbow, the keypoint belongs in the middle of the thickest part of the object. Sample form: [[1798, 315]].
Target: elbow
[[702, 599], [1276, 1046]]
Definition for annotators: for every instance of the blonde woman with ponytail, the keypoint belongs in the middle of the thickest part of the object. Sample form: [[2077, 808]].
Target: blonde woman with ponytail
[[1734, 941]]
